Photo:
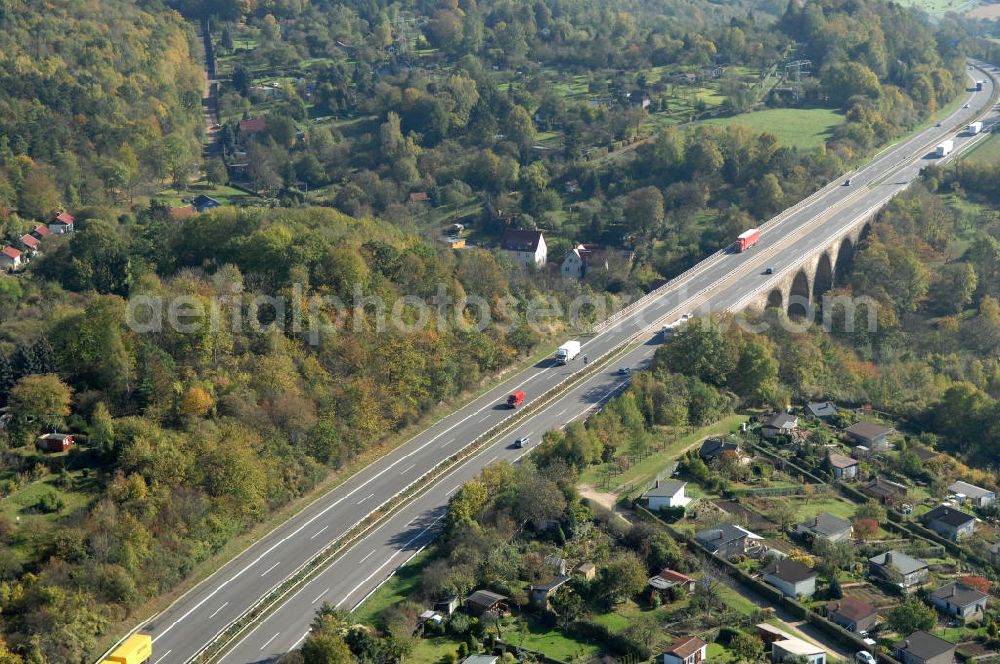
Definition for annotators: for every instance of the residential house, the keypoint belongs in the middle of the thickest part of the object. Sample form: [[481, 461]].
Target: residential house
[[872, 435], [844, 467], [30, 243], [791, 577], [821, 409], [587, 570], [55, 442], [484, 602], [779, 424], [923, 453], [852, 614], [884, 491], [10, 258], [950, 522], [713, 448], [923, 648], [898, 568], [797, 648], [638, 99], [959, 600], [691, 650], [447, 606], [668, 578], [525, 247], [978, 496], [481, 659], [252, 126], [571, 186], [769, 634], [63, 223], [203, 202], [539, 594], [825, 526], [725, 540], [666, 493], [419, 197], [181, 213], [41, 231]]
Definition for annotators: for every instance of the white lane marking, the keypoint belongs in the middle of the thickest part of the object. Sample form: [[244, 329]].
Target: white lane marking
[[270, 569], [559, 414], [301, 639], [268, 642], [365, 498], [369, 554], [163, 656], [492, 459], [319, 532], [389, 559], [452, 490], [448, 442], [217, 610], [410, 467], [484, 418], [320, 596]]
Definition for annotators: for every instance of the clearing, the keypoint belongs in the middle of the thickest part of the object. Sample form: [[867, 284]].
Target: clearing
[[804, 128]]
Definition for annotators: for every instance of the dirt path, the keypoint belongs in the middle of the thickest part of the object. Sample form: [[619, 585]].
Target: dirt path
[[209, 98], [607, 500]]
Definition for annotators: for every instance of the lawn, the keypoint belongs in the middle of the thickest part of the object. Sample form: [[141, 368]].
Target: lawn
[[401, 586], [836, 506], [645, 471], [987, 152], [222, 193], [549, 641], [798, 127]]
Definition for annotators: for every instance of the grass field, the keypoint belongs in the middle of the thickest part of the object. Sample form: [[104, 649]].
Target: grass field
[[402, 585], [836, 506], [222, 193], [937, 6], [987, 152], [798, 127]]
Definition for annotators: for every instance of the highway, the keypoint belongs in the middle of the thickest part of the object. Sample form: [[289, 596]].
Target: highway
[[721, 282]]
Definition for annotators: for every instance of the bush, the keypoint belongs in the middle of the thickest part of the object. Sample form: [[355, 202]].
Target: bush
[[49, 503]]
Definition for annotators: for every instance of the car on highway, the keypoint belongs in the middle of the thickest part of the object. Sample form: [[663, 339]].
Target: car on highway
[[937, 124], [667, 329], [847, 182], [624, 371], [769, 270], [687, 316], [521, 442], [966, 106]]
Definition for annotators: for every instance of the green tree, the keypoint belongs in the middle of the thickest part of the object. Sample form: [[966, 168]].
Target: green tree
[[621, 579], [844, 80], [748, 647], [911, 615], [215, 172], [756, 375], [39, 401], [644, 211]]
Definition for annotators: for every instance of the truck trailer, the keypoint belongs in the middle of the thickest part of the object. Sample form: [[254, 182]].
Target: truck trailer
[[567, 352], [515, 399], [747, 239], [136, 649], [979, 86], [944, 149], [974, 128]]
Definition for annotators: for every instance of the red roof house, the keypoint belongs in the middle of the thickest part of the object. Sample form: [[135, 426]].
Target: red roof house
[[55, 442], [40, 231], [30, 241], [252, 126], [63, 223], [10, 258]]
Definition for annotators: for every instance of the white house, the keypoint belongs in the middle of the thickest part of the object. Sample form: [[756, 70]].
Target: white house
[[63, 223], [978, 496], [10, 258], [793, 647], [791, 577], [691, 650], [667, 493], [525, 247]]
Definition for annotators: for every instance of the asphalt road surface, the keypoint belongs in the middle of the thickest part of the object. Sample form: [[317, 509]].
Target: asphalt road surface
[[721, 282]]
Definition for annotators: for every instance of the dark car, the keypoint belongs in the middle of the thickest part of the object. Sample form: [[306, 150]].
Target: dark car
[[521, 442], [769, 270], [624, 371]]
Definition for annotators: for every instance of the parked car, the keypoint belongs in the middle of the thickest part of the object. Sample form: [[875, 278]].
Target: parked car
[[864, 657]]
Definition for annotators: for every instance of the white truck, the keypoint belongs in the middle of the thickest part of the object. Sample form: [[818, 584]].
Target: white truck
[[974, 128], [944, 149], [567, 352]]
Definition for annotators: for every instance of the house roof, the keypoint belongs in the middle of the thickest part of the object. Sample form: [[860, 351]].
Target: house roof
[[723, 533], [419, 197], [821, 408], [65, 218], [480, 659], [10, 252], [924, 646], [518, 239], [796, 646], [42, 230], [841, 461], [791, 571], [202, 200], [666, 488], [898, 560], [253, 125], [923, 453], [713, 447], [781, 420], [485, 599], [970, 490], [686, 647], [551, 585], [851, 608], [882, 487], [826, 524], [949, 515], [56, 436], [29, 241], [674, 575], [181, 213], [959, 594], [869, 430]]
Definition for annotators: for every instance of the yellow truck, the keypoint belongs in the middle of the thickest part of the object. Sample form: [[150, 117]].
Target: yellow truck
[[136, 649]]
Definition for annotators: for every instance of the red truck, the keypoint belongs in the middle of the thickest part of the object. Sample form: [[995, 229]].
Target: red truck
[[515, 399], [747, 239]]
